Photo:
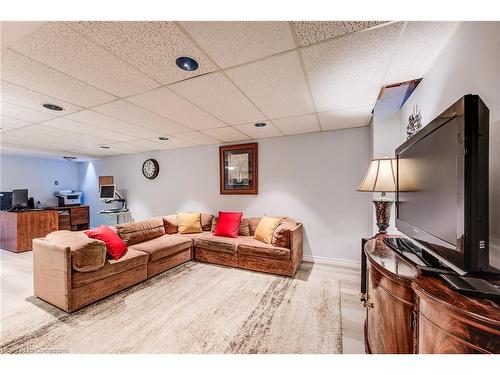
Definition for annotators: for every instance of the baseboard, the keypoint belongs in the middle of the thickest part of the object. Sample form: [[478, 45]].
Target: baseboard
[[332, 261]]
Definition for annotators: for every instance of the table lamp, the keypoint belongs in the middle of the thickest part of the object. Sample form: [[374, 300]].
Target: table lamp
[[381, 177]]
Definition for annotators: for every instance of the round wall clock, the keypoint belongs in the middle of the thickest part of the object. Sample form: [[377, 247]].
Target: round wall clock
[[150, 169]]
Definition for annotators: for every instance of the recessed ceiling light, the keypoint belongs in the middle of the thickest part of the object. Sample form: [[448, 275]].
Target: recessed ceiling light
[[163, 138], [69, 158], [105, 147], [53, 107], [186, 63], [260, 124]]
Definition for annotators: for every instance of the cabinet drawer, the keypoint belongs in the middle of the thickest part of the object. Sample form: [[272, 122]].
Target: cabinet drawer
[[79, 215], [64, 223]]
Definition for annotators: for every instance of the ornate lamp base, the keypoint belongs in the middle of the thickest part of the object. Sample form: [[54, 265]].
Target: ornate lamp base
[[383, 213]]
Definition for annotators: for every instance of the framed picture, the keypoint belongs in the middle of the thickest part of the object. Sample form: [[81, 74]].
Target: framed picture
[[238, 169]]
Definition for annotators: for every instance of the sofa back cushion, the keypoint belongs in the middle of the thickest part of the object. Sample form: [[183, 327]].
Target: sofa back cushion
[[206, 221], [141, 231], [252, 223], [87, 254], [265, 230], [189, 222], [171, 227], [281, 236]]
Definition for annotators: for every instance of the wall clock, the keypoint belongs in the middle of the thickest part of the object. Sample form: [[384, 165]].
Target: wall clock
[[150, 169]]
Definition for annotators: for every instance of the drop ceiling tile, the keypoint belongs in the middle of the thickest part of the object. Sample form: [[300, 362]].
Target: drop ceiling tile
[[110, 123], [280, 89], [129, 112], [298, 125], [98, 151], [140, 145], [234, 43], [198, 138], [252, 131], [347, 118], [219, 96], [79, 127], [25, 72], [26, 137], [25, 114], [33, 100], [227, 134], [151, 47], [419, 46], [172, 142], [63, 48], [348, 72], [167, 103], [12, 123], [66, 135], [309, 32]]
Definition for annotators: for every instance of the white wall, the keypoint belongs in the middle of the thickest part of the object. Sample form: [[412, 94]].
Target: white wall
[[311, 178], [37, 175], [470, 64]]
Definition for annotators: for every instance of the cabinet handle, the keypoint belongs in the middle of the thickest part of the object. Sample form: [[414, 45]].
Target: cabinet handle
[[369, 305]]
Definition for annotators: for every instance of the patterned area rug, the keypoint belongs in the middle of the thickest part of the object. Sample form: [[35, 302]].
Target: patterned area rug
[[193, 308]]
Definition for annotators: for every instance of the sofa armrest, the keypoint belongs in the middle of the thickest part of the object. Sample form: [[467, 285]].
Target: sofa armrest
[[52, 273], [296, 245]]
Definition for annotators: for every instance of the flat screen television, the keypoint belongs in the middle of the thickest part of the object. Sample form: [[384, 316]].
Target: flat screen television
[[442, 186]]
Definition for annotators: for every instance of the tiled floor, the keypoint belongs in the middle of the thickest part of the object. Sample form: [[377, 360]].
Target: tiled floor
[[16, 277]]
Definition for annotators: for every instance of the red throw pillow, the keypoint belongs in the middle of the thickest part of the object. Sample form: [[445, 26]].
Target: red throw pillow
[[114, 244], [228, 224]]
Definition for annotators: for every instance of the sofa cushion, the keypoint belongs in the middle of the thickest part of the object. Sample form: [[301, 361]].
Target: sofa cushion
[[87, 254], [211, 242], [131, 259], [252, 223], [243, 230], [189, 222], [163, 246], [114, 244], [193, 236], [250, 246], [206, 221], [228, 224], [281, 236], [140, 231], [265, 229], [170, 223]]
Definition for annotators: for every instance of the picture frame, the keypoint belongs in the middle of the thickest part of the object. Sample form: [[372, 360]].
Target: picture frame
[[238, 169]]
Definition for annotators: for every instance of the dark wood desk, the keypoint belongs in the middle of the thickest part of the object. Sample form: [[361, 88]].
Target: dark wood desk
[[17, 229], [73, 217]]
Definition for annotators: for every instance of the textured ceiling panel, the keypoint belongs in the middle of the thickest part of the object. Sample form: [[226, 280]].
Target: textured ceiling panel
[[419, 46], [348, 118], [33, 100], [217, 95], [67, 135], [131, 113], [61, 47], [25, 114], [252, 131], [172, 142], [79, 127], [23, 71], [348, 72], [12, 123], [140, 145], [280, 90], [198, 138], [298, 125], [27, 137], [151, 47], [227, 134], [234, 43], [309, 32], [167, 103], [105, 122]]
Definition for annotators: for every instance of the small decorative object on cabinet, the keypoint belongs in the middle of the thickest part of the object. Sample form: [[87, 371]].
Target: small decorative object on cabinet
[[381, 177], [409, 312], [414, 123], [238, 168], [150, 169]]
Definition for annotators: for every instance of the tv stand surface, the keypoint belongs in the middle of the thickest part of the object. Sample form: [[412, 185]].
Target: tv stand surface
[[411, 312]]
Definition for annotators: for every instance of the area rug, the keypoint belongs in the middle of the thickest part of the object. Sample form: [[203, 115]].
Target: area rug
[[194, 308]]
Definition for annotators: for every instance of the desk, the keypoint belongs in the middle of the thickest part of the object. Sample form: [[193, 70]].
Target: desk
[[17, 229], [73, 217]]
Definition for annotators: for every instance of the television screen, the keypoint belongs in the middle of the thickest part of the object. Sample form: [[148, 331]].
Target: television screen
[[442, 185]]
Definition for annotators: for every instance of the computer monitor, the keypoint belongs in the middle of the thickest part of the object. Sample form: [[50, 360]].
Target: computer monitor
[[107, 191], [5, 200], [20, 198]]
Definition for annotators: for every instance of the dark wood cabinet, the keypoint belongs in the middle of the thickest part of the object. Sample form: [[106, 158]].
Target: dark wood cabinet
[[407, 312], [73, 218]]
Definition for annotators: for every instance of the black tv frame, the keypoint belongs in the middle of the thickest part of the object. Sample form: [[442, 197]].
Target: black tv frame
[[470, 253]]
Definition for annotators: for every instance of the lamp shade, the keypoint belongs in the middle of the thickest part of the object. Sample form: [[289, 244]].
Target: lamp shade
[[380, 177]]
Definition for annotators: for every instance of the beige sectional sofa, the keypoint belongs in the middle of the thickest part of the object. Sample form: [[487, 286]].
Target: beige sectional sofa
[[72, 271]]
